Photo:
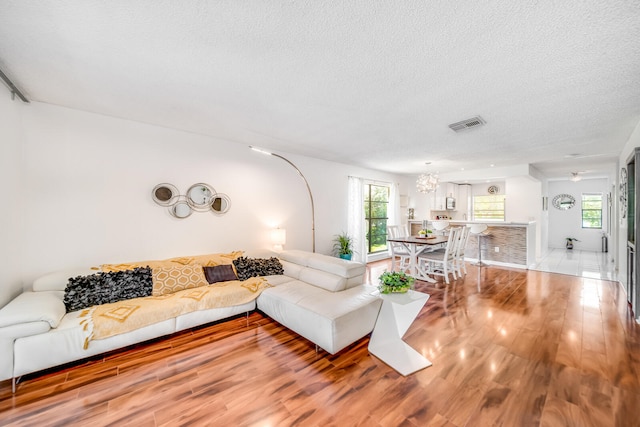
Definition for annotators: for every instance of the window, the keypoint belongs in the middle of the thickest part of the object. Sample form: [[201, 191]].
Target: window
[[591, 210], [376, 203], [488, 208]]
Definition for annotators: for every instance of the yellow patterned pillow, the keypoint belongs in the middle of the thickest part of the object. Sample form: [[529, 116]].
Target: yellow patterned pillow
[[204, 260], [168, 280]]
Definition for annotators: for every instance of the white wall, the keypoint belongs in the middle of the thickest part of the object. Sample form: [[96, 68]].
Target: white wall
[[568, 223], [524, 204], [621, 244], [11, 168], [88, 182]]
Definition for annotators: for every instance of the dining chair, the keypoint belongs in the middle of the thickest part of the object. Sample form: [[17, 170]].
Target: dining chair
[[398, 250], [461, 267], [442, 262]]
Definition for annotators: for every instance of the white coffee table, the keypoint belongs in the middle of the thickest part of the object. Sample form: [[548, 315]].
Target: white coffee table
[[397, 313]]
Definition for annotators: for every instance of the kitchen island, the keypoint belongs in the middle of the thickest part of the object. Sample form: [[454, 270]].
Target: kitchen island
[[515, 242]]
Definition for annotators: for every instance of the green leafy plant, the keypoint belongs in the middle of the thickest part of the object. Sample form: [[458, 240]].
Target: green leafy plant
[[395, 281], [343, 244]]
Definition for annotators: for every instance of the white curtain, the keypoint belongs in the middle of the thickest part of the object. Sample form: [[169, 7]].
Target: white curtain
[[393, 213], [355, 221]]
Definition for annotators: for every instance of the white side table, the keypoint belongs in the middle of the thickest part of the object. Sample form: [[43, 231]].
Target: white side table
[[397, 313]]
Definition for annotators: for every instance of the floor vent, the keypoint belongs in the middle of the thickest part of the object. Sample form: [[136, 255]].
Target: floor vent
[[467, 124]]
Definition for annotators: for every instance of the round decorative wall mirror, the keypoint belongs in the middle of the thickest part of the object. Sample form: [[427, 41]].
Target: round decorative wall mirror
[[220, 203], [165, 194], [181, 209], [563, 201], [200, 196]]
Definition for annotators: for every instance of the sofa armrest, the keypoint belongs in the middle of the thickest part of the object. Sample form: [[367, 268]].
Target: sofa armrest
[[33, 307]]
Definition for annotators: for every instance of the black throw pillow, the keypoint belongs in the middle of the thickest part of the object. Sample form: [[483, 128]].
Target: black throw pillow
[[102, 288], [254, 267]]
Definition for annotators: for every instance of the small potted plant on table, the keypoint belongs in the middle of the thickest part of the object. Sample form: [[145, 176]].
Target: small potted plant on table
[[424, 233], [395, 282]]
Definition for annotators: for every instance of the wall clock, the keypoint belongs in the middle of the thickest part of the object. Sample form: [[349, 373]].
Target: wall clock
[[563, 201], [493, 189], [623, 192]]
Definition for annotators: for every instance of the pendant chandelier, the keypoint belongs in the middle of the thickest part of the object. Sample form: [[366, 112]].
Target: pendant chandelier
[[427, 183]]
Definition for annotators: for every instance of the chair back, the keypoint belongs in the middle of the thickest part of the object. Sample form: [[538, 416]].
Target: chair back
[[394, 231], [397, 231], [462, 241], [452, 243]]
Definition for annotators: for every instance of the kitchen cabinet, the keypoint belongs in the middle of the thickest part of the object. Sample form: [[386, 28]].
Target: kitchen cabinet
[[438, 201], [451, 190], [463, 202], [437, 198]]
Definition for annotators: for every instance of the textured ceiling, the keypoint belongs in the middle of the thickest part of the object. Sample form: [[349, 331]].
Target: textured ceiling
[[363, 82]]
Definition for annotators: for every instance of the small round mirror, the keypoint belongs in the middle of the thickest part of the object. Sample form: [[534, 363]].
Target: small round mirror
[[563, 201], [181, 209], [220, 203], [165, 194], [200, 196]]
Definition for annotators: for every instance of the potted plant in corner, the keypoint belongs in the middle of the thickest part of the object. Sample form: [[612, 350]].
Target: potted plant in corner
[[342, 246], [570, 241], [395, 282]]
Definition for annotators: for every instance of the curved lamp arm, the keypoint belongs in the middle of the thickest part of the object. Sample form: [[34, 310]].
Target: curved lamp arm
[[313, 215]]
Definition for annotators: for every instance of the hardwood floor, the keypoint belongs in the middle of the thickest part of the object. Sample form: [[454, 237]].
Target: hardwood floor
[[509, 348]]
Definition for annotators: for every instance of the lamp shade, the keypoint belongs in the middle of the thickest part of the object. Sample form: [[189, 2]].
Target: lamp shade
[[278, 238]]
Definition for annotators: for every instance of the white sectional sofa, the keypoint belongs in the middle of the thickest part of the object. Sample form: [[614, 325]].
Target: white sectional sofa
[[320, 297]]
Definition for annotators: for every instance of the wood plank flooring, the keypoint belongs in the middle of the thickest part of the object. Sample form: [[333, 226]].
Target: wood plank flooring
[[509, 348]]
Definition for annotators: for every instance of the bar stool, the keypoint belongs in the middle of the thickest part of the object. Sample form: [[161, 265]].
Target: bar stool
[[440, 226], [480, 231]]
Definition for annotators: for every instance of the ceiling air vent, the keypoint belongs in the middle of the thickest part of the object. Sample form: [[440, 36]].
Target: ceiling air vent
[[467, 124]]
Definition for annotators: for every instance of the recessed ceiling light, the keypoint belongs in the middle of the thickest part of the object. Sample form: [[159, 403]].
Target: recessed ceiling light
[[492, 165], [461, 169]]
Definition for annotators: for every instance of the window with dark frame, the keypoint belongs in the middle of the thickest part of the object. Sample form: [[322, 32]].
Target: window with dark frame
[[592, 210], [376, 204]]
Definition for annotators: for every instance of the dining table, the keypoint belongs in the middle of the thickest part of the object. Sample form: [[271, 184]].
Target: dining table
[[415, 245]]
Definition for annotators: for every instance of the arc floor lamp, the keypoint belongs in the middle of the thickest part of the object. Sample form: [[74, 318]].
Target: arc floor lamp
[[313, 215]]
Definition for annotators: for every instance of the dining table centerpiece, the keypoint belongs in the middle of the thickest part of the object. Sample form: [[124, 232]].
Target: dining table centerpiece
[[425, 233], [395, 282]]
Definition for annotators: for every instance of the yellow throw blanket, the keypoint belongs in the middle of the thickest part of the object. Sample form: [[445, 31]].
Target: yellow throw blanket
[[107, 320]]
